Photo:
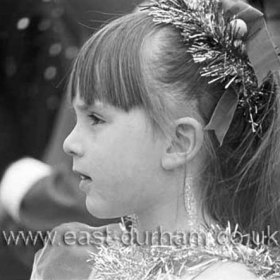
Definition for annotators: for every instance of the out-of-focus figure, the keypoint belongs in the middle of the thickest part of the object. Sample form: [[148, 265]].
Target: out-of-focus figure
[[39, 40]]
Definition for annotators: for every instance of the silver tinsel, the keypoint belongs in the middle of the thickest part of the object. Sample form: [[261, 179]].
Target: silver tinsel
[[214, 42], [218, 45], [120, 262]]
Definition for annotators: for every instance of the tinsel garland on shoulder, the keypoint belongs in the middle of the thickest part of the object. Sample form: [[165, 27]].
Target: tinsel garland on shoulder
[[122, 262]]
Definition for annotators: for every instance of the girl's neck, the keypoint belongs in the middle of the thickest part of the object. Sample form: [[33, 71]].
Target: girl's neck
[[170, 218], [171, 214]]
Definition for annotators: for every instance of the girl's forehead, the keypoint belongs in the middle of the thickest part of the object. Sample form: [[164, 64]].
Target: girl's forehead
[[79, 104], [80, 99]]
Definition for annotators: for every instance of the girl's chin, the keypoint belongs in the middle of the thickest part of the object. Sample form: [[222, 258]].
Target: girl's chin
[[101, 212]]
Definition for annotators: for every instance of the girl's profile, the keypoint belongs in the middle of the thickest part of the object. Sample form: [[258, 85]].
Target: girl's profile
[[177, 124]]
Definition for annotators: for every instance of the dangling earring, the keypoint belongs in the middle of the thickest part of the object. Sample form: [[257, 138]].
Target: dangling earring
[[190, 202]]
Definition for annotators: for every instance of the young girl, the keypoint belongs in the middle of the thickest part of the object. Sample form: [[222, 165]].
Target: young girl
[[176, 126]]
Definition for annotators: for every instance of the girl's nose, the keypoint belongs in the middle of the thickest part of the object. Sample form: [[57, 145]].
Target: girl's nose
[[72, 146]]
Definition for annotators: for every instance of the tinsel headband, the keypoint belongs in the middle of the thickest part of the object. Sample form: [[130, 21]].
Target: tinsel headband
[[231, 42]]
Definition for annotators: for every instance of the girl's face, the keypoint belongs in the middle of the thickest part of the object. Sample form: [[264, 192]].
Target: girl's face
[[118, 156]]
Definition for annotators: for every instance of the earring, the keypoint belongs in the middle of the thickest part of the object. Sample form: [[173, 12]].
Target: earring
[[190, 202]]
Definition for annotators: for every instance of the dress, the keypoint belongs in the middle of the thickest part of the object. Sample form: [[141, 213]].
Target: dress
[[104, 256]]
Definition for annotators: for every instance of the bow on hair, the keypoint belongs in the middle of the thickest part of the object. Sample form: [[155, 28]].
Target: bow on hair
[[259, 46], [261, 53]]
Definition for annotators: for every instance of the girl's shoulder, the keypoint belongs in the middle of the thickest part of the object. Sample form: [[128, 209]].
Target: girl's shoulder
[[65, 254], [79, 251], [226, 271]]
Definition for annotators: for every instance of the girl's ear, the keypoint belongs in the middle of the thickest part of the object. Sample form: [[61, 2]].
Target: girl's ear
[[186, 143]]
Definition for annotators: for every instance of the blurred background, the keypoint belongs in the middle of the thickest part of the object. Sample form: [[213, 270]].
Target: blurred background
[[38, 41]]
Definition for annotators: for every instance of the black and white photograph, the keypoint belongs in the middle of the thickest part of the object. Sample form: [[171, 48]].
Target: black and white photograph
[[139, 139]]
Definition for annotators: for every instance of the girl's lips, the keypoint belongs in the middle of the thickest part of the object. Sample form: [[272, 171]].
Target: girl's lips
[[82, 176], [85, 180], [84, 183]]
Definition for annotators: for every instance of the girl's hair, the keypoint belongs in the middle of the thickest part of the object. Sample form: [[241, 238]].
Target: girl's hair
[[239, 182]]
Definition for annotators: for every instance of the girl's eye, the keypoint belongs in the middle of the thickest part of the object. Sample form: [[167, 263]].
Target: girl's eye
[[95, 119]]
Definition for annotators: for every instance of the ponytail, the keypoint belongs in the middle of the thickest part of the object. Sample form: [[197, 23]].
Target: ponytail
[[245, 184]]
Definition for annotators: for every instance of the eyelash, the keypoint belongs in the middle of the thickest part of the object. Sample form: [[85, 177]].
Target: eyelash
[[95, 120]]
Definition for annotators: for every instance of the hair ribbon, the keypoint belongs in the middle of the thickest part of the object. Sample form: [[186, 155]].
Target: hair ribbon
[[262, 56]]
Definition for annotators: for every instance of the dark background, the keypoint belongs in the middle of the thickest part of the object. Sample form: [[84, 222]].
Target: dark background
[[38, 41]]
